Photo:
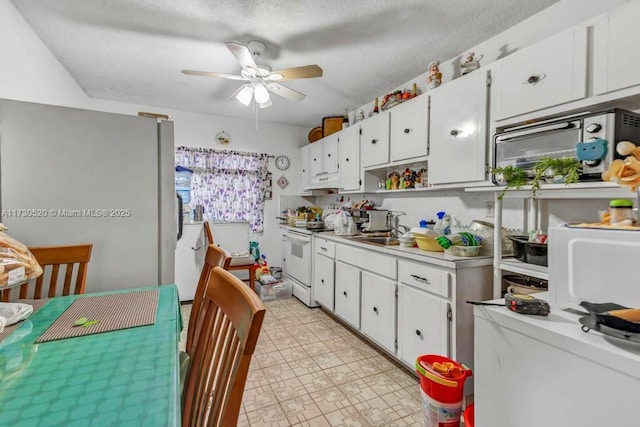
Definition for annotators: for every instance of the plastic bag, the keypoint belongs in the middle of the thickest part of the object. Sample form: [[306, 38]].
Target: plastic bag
[[11, 313], [342, 223], [17, 263]]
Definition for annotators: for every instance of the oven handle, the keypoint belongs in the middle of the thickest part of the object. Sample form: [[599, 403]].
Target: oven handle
[[297, 239], [536, 130]]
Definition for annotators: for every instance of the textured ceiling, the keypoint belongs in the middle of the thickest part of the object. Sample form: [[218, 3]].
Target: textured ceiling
[[133, 50]]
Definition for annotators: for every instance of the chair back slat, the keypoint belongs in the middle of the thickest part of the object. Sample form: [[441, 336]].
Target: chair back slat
[[232, 316], [208, 233], [215, 257], [56, 256], [66, 288], [53, 282]]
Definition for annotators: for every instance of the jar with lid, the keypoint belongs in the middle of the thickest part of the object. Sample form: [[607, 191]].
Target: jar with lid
[[621, 211]]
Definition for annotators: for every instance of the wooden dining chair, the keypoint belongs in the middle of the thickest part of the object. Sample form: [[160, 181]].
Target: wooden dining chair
[[237, 262], [231, 324], [57, 256], [215, 257]]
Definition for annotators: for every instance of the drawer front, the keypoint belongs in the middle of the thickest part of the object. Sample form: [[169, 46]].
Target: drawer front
[[326, 248], [383, 265], [425, 277], [347, 254]]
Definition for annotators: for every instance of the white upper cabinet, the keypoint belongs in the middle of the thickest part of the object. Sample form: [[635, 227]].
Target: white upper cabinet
[[615, 38], [349, 159], [546, 74], [374, 140], [323, 156], [304, 168], [458, 131], [409, 129]]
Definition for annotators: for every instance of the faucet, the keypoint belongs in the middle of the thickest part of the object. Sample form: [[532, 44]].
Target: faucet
[[393, 226]]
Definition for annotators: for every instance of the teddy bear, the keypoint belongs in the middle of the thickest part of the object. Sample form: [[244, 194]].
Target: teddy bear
[[625, 172]]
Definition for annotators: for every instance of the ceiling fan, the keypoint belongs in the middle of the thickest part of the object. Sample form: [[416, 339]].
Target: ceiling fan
[[261, 78]]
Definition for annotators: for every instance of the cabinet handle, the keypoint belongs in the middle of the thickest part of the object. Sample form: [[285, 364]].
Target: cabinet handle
[[322, 281], [534, 79], [347, 159], [196, 249], [329, 155], [374, 141], [314, 159], [418, 333], [345, 293], [421, 279], [324, 249], [455, 132], [407, 130], [303, 171], [375, 309]]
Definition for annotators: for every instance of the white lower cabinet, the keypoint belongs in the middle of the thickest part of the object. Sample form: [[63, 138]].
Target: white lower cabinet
[[324, 280], [378, 310], [423, 324], [347, 297]]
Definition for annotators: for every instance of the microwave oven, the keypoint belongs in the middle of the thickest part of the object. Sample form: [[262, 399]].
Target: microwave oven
[[594, 265], [589, 137]]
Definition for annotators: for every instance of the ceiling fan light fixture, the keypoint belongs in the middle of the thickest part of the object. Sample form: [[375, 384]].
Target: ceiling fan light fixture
[[260, 93], [245, 94], [276, 76], [266, 104]]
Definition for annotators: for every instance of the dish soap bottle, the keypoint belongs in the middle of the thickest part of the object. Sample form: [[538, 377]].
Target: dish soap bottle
[[439, 227], [443, 224]]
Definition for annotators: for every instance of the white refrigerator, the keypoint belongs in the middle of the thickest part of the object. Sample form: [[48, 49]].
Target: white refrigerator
[[76, 176]]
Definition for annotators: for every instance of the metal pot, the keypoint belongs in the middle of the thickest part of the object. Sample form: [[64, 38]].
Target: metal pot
[[524, 285], [315, 225]]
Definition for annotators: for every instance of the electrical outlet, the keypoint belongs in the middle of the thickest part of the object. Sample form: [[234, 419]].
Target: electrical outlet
[[489, 210]]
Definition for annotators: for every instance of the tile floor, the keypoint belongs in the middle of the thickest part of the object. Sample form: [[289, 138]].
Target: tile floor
[[309, 370]]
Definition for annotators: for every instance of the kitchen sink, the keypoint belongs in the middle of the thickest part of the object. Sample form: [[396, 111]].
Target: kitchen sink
[[377, 240]]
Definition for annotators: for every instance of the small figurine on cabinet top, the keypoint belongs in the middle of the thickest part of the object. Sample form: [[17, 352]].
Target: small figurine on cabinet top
[[435, 76], [395, 180], [409, 178], [471, 63], [360, 116]]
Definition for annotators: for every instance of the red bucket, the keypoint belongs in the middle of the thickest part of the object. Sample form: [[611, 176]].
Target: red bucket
[[468, 416], [441, 395]]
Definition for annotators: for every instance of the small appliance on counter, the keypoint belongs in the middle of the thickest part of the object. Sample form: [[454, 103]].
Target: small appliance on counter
[[377, 221]]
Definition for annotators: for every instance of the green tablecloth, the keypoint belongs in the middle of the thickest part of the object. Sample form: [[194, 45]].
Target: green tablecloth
[[128, 377]]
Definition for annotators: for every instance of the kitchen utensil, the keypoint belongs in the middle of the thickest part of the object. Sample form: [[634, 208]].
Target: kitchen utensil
[[590, 322], [463, 250], [602, 313], [315, 134], [522, 304]]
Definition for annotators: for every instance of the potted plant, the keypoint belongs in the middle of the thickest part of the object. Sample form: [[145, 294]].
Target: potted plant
[[547, 170]]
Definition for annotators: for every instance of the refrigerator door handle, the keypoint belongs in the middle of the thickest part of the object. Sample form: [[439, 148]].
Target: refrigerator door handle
[[180, 217]]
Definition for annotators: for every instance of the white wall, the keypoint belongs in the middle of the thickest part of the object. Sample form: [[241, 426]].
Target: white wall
[[30, 72]]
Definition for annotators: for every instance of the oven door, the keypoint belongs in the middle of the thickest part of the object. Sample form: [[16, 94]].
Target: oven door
[[523, 147], [298, 257]]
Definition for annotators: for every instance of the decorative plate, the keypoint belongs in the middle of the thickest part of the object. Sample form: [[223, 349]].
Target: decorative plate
[[223, 138]]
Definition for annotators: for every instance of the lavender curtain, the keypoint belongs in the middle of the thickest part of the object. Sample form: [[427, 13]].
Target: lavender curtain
[[229, 184]]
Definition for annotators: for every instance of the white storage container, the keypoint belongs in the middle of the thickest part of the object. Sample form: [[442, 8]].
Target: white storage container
[[274, 291]]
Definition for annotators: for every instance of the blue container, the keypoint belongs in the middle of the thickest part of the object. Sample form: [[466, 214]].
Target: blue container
[[183, 183]]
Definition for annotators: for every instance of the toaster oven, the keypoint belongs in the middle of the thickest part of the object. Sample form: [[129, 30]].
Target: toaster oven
[[589, 137]]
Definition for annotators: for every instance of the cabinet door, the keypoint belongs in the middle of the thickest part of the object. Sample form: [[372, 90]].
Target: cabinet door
[[458, 142], [374, 140], [546, 74], [349, 163], [615, 44], [330, 153], [409, 129], [315, 158], [304, 168], [378, 311], [347, 302], [423, 325], [324, 281]]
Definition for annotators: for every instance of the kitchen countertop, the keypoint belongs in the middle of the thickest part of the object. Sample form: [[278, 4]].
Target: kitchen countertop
[[416, 254]]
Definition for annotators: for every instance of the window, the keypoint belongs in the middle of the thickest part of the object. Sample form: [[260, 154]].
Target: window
[[229, 184]]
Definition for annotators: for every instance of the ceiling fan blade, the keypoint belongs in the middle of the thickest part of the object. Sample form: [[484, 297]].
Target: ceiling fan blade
[[304, 72], [285, 92], [242, 54], [213, 74]]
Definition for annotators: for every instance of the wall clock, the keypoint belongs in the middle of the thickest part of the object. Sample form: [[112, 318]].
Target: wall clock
[[282, 163]]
